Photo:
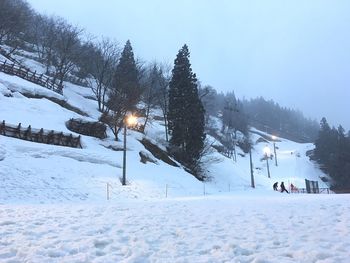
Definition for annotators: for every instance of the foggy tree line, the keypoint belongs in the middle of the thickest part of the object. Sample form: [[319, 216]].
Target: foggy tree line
[[226, 107], [266, 115], [333, 153], [269, 115]]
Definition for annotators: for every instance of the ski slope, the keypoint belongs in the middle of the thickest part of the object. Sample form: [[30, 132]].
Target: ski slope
[[39, 173]]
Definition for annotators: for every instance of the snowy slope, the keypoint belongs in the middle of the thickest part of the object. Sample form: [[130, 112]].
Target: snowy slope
[[40, 173]]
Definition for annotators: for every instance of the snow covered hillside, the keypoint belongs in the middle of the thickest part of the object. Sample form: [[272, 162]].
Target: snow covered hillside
[[40, 173]]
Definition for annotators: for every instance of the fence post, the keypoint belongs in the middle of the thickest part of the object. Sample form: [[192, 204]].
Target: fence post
[[3, 128], [203, 188], [107, 191], [28, 133], [166, 191], [79, 143], [229, 187], [19, 130], [41, 135]]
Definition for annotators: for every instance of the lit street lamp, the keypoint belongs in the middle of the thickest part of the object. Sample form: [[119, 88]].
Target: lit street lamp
[[267, 153], [274, 148], [129, 121]]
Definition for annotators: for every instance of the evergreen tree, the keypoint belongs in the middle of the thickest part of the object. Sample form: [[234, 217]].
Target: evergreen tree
[[126, 79], [126, 90], [322, 142], [186, 112], [333, 153]]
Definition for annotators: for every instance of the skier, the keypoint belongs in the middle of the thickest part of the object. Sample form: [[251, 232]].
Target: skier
[[283, 188], [293, 188], [275, 185]]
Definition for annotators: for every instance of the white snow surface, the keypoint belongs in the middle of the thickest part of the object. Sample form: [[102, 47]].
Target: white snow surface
[[243, 227], [54, 207]]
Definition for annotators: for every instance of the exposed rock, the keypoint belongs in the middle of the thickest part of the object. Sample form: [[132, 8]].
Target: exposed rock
[[145, 157], [95, 129]]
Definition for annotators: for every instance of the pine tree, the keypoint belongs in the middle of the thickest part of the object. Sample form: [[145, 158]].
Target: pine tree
[[126, 80], [186, 112], [126, 90]]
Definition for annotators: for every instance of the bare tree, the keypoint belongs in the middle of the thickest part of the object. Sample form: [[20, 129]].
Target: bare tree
[[151, 82], [102, 67], [14, 17], [45, 35], [155, 83], [161, 94], [208, 96], [66, 48]]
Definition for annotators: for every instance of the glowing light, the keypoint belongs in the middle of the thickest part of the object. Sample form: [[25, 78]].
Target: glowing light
[[131, 120], [273, 137], [267, 151]]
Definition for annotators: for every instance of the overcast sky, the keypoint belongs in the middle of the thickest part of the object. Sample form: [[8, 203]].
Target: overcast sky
[[295, 52]]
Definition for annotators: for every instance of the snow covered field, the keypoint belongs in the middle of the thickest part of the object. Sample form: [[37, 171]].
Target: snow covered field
[[243, 227]]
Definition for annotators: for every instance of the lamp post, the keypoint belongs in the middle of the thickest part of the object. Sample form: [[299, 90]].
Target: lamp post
[[128, 121], [274, 148], [251, 167], [267, 153]]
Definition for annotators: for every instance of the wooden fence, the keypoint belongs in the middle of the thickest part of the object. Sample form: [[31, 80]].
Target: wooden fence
[[40, 135], [25, 73], [305, 191]]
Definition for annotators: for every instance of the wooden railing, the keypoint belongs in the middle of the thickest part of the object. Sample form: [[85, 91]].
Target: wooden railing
[[25, 73], [40, 135]]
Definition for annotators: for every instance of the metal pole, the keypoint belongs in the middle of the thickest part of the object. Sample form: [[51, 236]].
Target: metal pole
[[274, 149], [234, 151], [268, 168], [124, 157], [251, 168]]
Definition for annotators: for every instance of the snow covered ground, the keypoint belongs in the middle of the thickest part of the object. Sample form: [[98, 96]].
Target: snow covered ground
[[242, 227], [54, 207]]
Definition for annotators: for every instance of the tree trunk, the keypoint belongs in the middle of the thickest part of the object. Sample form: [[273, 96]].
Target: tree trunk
[[147, 116], [166, 126]]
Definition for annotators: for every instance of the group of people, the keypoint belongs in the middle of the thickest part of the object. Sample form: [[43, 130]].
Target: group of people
[[283, 188]]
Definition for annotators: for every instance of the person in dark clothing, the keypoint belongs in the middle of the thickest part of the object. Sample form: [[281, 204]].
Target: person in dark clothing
[[275, 185], [283, 188]]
